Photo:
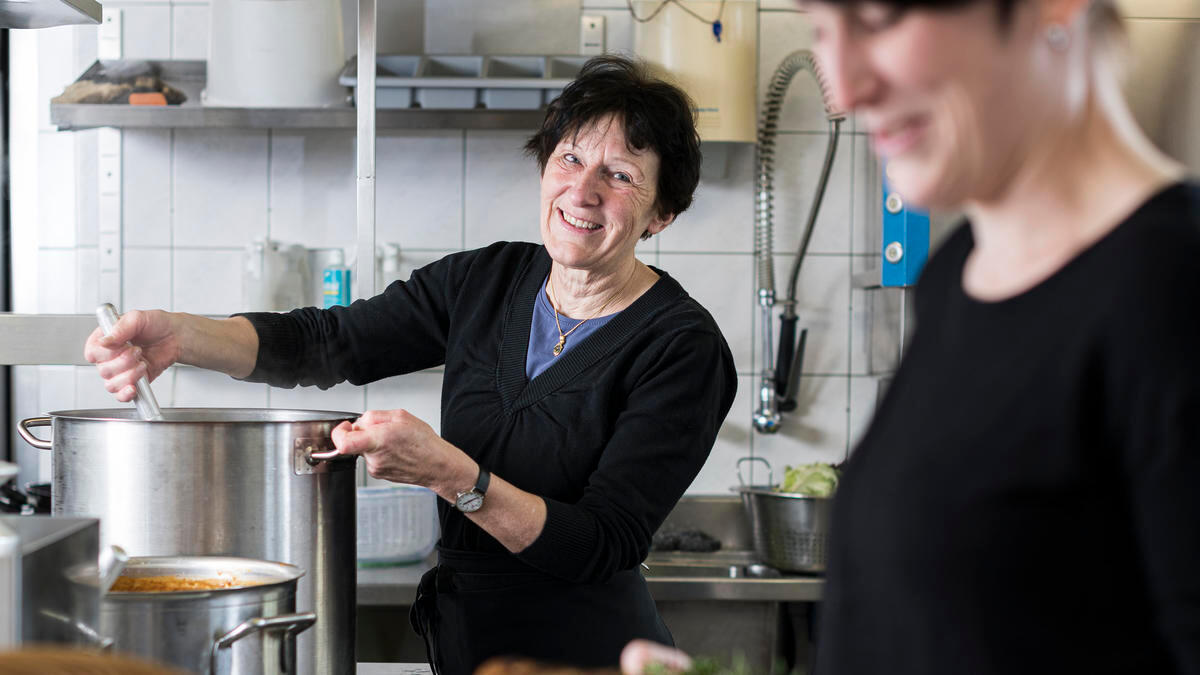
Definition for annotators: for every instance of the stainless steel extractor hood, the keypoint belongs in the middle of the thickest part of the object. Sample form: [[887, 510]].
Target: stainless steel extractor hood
[[47, 13]]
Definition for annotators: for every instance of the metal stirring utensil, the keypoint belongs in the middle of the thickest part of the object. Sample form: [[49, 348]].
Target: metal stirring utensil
[[145, 401]]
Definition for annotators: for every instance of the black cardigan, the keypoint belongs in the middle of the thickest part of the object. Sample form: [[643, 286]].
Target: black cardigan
[[1027, 499], [610, 436]]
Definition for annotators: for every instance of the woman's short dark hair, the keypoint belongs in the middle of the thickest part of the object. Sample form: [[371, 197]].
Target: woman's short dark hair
[[655, 115]]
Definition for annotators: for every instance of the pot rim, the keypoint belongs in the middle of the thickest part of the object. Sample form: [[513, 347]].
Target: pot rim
[[287, 575], [213, 415], [770, 491]]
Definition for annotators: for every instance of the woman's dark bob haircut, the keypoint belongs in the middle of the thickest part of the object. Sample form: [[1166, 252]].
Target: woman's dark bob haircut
[[655, 115]]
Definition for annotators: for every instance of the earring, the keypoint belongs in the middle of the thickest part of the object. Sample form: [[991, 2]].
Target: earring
[[1057, 37]]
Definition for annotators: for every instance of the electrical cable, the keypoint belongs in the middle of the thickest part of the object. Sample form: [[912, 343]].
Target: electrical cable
[[715, 23]]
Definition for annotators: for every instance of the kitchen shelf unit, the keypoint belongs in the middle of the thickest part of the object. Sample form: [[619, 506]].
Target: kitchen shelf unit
[[189, 77]]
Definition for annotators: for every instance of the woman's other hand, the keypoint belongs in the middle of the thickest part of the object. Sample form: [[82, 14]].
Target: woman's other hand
[[399, 447], [639, 655], [143, 343]]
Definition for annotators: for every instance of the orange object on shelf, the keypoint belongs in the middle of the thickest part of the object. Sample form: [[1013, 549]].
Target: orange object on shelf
[[147, 98]]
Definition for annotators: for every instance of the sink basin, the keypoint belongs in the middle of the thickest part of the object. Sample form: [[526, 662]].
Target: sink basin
[[694, 571]]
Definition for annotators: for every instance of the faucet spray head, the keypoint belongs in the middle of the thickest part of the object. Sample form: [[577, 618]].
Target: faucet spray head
[[766, 418]]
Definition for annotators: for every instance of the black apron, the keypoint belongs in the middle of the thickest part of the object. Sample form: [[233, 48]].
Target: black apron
[[474, 606]]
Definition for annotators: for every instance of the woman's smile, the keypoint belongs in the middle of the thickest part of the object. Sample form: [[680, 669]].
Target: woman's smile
[[573, 224], [898, 136]]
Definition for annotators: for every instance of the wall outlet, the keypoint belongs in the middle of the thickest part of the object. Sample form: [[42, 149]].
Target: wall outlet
[[591, 34]]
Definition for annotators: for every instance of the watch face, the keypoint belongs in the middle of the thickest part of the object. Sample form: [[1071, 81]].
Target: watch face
[[469, 502]]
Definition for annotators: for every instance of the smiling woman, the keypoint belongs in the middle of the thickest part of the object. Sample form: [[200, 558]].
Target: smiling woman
[[582, 391], [1025, 499]]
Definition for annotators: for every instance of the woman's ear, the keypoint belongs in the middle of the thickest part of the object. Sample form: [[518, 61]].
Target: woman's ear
[[657, 225]]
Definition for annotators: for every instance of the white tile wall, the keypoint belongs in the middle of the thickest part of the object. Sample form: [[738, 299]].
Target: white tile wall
[[419, 197], [146, 187], [472, 27], [148, 282], [781, 33], [502, 183], [56, 198], [57, 388], [866, 215], [207, 281], [312, 187], [87, 202], [220, 186], [344, 397], [724, 285], [797, 175], [145, 30], [189, 31], [823, 307], [57, 285], [56, 68], [721, 217], [87, 274], [816, 431], [864, 393], [195, 388], [733, 443]]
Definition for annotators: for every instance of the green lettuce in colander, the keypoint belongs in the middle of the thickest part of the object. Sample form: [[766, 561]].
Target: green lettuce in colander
[[815, 480]]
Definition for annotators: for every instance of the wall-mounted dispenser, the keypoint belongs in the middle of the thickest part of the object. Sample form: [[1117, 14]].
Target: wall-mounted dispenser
[[709, 48]]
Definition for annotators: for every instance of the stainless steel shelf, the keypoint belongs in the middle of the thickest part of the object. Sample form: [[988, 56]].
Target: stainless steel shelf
[[44, 339], [47, 13], [189, 77]]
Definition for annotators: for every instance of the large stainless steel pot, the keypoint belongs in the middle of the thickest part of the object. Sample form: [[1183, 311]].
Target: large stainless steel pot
[[248, 628], [220, 482]]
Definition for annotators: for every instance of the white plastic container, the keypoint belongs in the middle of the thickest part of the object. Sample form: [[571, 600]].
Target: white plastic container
[[397, 524], [718, 75], [275, 54]]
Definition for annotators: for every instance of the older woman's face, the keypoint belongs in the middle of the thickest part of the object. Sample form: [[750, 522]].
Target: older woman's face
[[949, 97], [598, 197]]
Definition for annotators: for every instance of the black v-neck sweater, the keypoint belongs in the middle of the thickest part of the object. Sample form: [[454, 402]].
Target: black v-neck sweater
[[1027, 499], [610, 436]]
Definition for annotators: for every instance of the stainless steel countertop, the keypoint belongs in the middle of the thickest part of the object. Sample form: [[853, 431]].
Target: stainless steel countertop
[[393, 669], [672, 576]]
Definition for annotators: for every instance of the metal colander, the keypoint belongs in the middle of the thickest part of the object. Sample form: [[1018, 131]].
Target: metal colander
[[791, 530]]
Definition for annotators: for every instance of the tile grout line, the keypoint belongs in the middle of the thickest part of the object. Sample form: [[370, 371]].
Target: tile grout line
[[850, 298], [270, 158], [462, 216], [171, 220]]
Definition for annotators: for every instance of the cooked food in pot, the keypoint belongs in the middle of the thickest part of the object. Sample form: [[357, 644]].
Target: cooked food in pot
[[168, 583]]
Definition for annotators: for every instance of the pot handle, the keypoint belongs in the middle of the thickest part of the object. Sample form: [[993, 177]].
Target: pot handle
[[770, 471], [24, 426], [292, 623]]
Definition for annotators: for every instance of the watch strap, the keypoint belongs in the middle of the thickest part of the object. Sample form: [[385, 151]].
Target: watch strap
[[481, 483]]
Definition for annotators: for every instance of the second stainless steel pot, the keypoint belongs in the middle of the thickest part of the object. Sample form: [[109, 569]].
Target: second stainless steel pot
[[249, 627], [221, 482]]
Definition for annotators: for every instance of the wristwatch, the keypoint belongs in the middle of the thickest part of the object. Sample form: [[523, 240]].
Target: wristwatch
[[471, 500]]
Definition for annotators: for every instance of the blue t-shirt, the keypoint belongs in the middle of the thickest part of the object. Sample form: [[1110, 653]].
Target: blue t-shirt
[[543, 334]]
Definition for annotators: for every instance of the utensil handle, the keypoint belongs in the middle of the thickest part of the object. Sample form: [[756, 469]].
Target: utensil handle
[[112, 563], [24, 426], [770, 470], [292, 623], [145, 401]]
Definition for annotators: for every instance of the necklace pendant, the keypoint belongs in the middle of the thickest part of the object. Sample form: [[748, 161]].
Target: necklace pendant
[[559, 347]]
